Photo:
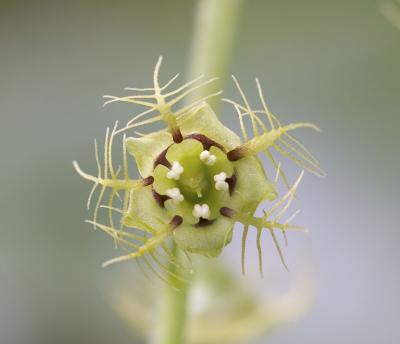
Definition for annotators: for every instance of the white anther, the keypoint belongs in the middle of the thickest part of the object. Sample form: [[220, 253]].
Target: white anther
[[175, 195], [175, 171], [220, 182], [204, 155], [202, 211], [221, 177], [207, 158], [211, 160]]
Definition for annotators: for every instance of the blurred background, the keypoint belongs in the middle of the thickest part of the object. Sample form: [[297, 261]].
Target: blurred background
[[334, 63]]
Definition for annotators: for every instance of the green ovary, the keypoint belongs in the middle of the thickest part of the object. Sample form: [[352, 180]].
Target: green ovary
[[193, 175]]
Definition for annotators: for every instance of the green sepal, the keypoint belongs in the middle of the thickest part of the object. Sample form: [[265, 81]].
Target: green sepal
[[208, 241], [144, 213], [146, 148], [252, 186], [205, 121]]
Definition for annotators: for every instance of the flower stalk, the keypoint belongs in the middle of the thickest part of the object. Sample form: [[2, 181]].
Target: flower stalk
[[212, 45], [173, 310]]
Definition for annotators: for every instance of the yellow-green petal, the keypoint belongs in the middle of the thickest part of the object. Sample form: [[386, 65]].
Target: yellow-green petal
[[222, 164], [183, 209], [161, 182]]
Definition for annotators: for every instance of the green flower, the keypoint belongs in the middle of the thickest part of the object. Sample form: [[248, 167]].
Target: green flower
[[198, 178]]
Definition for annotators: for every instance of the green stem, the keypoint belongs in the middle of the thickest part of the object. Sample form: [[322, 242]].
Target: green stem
[[212, 47], [173, 308]]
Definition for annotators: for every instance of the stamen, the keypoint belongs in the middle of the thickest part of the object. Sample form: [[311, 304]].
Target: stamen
[[207, 158], [228, 212], [177, 135], [206, 141], [176, 171], [175, 195], [160, 199], [236, 153], [204, 223], [232, 182], [220, 182], [148, 181], [201, 211], [176, 221], [162, 159]]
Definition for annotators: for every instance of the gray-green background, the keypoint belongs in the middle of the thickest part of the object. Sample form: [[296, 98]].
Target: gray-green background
[[335, 63]]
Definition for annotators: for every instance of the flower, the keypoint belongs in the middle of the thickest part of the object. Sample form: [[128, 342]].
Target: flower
[[198, 177]]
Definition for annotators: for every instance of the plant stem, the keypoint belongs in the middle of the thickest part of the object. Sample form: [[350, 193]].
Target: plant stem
[[173, 308], [211, 50], [212, 44]]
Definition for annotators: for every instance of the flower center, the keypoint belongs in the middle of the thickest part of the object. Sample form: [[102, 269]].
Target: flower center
[[193, 179]]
